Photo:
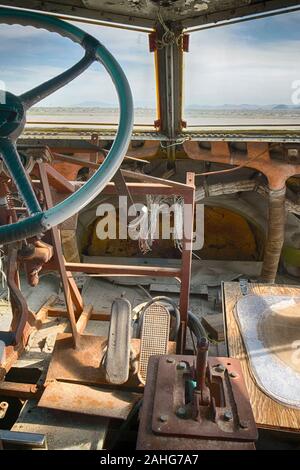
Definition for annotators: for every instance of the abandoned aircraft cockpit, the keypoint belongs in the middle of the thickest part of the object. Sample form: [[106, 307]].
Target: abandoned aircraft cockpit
[[149, 225]]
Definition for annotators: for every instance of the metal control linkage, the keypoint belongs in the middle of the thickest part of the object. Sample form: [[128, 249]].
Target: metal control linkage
[[201, 390], [196, 403], [13, 120]]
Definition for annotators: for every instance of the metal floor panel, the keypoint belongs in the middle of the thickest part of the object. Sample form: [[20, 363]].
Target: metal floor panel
[[88, 400], [63, 430]]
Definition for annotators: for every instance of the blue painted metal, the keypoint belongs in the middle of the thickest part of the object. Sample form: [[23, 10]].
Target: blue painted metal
[[42, 221], [12, 115]]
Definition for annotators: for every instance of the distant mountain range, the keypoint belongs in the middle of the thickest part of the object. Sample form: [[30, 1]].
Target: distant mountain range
[[102, 104], [93, 104], [251, 107], [195, 107]]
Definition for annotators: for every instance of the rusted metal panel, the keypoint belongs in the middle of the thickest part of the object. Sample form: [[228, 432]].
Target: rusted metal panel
[[84, 364], [257, 157], [81, 365], [148, 440], [88, 400], [170, 397]]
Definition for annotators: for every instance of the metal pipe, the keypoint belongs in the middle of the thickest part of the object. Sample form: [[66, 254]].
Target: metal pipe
[[201, 364], [20, 390], [23, 438]]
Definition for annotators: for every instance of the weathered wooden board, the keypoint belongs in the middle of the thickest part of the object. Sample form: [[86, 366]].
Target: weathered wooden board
[[214, 325], [267, 412]]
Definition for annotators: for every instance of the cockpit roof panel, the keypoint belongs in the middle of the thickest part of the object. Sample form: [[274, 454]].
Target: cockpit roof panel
[[145, 12]]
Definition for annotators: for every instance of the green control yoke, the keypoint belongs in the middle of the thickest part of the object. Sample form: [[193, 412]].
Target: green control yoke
[[13, 118]]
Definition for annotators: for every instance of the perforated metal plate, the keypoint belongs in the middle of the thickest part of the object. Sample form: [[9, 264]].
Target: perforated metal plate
[[154, 337]]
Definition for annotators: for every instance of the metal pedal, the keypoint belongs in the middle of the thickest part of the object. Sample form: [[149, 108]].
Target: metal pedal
[[118, 346], [154, 336]]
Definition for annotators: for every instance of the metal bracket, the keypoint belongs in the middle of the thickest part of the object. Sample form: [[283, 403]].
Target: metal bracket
[[244, 286]]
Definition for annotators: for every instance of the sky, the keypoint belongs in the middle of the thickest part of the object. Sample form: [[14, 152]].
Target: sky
[[253, 62]]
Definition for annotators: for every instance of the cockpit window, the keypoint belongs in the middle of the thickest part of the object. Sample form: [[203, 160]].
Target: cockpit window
[[29, 56], [245, 74]]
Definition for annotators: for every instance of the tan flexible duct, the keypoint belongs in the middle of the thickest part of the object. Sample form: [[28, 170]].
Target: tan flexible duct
[[275, 236]]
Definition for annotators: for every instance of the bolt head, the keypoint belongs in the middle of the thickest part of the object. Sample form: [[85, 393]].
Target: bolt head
[[181, 412], [220, 368], [233, 375], [181, 366], [170, 360], [163, 418], [228, 416]]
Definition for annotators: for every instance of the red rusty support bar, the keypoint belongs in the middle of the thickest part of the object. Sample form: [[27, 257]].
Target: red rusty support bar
[[61, 312], [75, 294], [18, 301], [84, 319], [146, 188], [124, 270], [186, 259], [138, 188], [153, 179], [56, 179], [183, 274], [57, 248]]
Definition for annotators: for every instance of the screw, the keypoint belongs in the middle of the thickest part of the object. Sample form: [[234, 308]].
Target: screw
[[163, 418], [220, 368], [181, 366], [228, 416], [170, 360], [233, 375], [181, 412]]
